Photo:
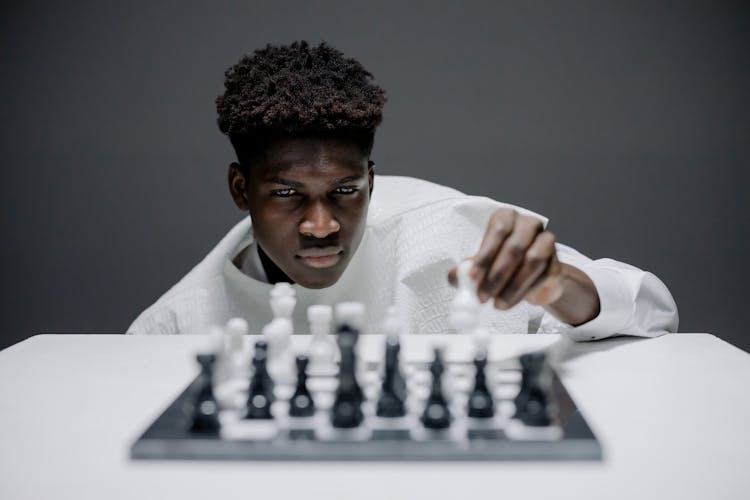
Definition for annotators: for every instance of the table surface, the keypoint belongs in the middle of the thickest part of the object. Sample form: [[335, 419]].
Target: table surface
[[672, 414]]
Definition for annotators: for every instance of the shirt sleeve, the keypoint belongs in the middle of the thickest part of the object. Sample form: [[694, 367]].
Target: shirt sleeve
[[632, 302]]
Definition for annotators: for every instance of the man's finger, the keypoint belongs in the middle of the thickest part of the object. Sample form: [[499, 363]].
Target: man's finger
[[453, 276], [498, 228], [535, 263], [511, 256], [548, 287]]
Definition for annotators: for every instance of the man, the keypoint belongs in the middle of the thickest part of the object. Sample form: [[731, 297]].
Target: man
[[302, 121]]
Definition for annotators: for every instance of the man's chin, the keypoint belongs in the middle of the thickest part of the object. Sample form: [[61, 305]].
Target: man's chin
[[316, 284], [316, 279]]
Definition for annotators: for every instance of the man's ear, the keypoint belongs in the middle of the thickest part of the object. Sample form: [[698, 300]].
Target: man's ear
[[237, 186], [371, 174]]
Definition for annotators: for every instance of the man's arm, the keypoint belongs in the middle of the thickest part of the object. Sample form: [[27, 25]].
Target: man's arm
[[520, 260], [632, 301]]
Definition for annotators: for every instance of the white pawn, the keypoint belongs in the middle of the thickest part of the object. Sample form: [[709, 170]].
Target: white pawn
[[464, 312], [278, 333], [352, 314], [280, 363], [322, 348], [235, 357], [482, 342], [234, 335], [215, 341], [283, 300], [392, 323], [231, 372]]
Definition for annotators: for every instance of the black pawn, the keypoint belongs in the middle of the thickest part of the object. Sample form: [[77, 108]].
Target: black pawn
[[301, 404], [260, 394], [533, 406], [480, 398], [206, 408], [347, 407], [261, 351], [393, 393], [436, 414]]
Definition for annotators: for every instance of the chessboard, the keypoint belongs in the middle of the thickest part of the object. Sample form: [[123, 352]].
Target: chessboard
[[440, 409]]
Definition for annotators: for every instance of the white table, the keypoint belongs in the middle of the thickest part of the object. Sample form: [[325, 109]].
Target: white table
[[672, 414]]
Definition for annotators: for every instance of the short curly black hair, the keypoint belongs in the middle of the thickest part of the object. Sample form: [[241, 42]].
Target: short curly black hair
[[298, 91]]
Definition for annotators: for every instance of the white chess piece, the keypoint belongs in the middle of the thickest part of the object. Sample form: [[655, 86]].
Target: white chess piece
[[322, 348], [464, 312], [465, 308], [235, 350], [215, 341], [280, 362], [352, 314], [232, 364], [392, 323], [279, 332], [235, 332], [283, 299]]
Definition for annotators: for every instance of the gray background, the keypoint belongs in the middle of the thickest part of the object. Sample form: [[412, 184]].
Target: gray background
[[627, 123]]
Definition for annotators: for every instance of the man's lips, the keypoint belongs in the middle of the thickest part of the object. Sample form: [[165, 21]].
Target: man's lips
[[320, 257]]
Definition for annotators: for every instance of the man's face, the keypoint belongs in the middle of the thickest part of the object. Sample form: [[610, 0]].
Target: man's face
[[308, 201]]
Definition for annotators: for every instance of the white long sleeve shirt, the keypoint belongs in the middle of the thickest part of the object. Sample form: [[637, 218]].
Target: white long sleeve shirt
[[416, 231]]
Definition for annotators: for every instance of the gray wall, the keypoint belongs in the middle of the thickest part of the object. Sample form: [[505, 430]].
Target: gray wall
[[627, 123]]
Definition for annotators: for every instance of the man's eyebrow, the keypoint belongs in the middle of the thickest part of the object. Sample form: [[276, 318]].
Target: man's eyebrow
[[285, 182], [344, 180]]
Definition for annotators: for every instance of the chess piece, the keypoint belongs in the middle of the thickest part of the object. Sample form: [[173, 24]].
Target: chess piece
[[278, 333], [351, 314], [301, 403], [206, 408], [436, 413], [464, 309], [392, 323], [261, 351], [392, 328], [283, 299], [322, 347], [233, 359], [533, 405], [393, 393], [260, 394], [347, 406], [215, 342], [235, 332], [481, 404]]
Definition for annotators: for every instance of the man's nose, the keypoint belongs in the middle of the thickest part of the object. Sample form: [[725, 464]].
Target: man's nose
[[319, 222]]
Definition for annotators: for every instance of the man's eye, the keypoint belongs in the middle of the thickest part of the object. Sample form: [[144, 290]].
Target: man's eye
[[345, 190], [283, 193]]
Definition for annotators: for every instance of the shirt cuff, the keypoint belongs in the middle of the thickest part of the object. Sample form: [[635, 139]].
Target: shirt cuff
[[616, 308]]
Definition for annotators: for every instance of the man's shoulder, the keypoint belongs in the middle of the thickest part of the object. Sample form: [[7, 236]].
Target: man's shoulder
[[195, 291], [395, 196]]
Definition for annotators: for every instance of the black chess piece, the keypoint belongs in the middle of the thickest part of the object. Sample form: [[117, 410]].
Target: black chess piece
[[347, 407], [533, 402], [261, 351], [481, 404], [260, 393], [301, 404], [206, 408], [393, 393], [436, 413]]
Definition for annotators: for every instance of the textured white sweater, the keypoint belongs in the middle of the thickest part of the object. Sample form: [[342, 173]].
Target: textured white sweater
[[416, 231]]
